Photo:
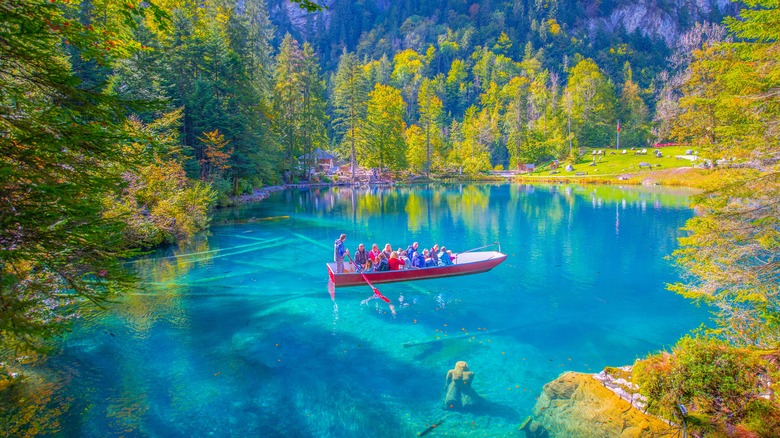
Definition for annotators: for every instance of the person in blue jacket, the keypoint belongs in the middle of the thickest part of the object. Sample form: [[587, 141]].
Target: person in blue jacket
[[382, 264], [339, 251], [418, 260], [411, 249], [444, 257], [429, 262]]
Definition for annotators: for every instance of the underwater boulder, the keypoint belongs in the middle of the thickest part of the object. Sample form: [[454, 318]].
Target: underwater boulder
[[459, 391]]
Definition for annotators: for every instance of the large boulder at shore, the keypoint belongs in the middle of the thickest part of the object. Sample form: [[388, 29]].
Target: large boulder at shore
[[578, 405]]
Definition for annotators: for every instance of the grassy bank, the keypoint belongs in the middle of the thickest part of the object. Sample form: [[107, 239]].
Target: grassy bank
[[631, 167]]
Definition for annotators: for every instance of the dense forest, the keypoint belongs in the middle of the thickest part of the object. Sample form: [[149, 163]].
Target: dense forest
[[123, 123]]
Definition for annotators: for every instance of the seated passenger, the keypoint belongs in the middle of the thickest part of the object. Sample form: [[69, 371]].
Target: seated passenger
[[382, 264], [387, 251], [411, 249], [373, 253], [369, 266], [435, 254], [405, 258], [418, 260], [444, 257], [394, 262], [360, 259], [428, 259]]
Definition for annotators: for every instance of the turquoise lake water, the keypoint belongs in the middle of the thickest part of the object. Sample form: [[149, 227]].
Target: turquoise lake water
[[236, 334]]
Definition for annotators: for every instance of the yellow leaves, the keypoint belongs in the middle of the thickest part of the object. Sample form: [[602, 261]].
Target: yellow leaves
[[407, 65], [216, 155], [415, 148], [553, 26]]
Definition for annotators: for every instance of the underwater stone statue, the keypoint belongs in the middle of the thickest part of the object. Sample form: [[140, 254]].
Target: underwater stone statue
[[459, 391]]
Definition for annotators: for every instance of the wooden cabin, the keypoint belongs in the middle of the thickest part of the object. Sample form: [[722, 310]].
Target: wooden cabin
[[526, 167], [325, 160]]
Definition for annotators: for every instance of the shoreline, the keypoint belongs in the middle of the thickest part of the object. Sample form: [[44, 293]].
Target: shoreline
[[665, 178]]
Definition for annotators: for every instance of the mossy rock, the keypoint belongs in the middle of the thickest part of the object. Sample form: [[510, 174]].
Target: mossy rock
[[577, 405]]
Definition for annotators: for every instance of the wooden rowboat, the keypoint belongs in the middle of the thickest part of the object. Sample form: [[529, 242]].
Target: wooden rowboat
[[465, 263]]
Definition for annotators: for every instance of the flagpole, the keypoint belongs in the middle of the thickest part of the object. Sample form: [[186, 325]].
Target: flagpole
[[618, 136]]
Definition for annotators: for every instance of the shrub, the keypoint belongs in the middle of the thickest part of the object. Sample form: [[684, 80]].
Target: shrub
[[706, 374], [257, 183], [223, 188], [245, 187], [762, 417]]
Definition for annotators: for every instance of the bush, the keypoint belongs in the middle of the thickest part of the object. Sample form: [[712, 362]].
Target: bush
[[762, 417], [257, 183], [245, 187], [159, 204], [709, 375], [223, 188]]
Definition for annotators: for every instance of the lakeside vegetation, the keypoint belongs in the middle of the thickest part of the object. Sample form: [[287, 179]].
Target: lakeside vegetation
[[122, 124]]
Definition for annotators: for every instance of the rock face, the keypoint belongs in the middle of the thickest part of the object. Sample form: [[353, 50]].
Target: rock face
[[656, 19], [459, 391], [578, 405]]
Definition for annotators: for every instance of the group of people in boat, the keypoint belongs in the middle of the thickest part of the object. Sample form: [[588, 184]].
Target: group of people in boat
[[413, 257]]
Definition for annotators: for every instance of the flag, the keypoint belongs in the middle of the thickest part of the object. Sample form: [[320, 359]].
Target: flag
[[618, 126]]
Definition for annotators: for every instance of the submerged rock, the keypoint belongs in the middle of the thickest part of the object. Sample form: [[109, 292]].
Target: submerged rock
[[579, 405], [459, 391]]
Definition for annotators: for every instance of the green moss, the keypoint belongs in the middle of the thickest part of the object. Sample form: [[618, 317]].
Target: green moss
[[618, 373]]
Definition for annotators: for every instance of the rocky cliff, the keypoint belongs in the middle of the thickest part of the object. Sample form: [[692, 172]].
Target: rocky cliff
[[655, 19], [651, 18]]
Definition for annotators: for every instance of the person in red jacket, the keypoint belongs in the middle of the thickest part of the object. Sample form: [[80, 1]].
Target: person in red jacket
[[395, 262], [374, 253]]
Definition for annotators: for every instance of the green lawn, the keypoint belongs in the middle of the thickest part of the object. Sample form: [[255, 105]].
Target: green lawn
[[614, 163]]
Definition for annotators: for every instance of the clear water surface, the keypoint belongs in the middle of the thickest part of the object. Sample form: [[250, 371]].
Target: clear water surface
[[237, 334]]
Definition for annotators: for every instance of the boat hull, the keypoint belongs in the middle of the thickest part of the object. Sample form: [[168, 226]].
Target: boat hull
[[466, 264]]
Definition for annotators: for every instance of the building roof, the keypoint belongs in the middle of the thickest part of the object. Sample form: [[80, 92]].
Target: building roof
[[323, 155]]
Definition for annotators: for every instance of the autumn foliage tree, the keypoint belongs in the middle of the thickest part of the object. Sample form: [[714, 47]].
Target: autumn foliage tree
[[216, 155], [731, 254], [732, 251], [382, 141]]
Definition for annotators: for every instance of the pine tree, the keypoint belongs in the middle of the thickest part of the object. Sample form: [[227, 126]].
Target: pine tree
[[314, 117], [634, 115], [289, 102], [515, 123], [349, 103], [430, 107]]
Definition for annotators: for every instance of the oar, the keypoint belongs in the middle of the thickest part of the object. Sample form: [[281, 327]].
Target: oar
[[376, 291]]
